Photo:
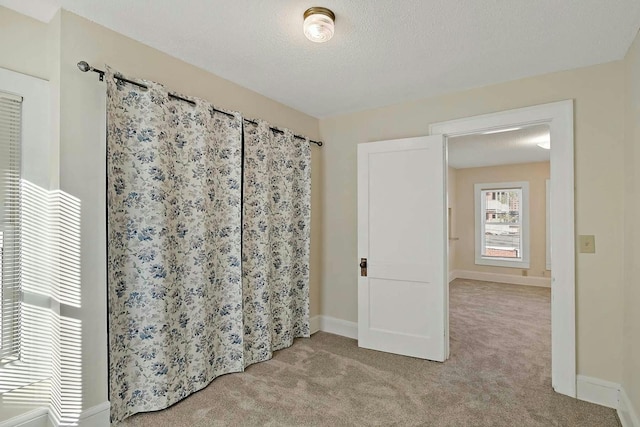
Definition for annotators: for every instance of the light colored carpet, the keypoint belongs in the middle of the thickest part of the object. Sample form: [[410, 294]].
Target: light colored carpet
[[498, 375]]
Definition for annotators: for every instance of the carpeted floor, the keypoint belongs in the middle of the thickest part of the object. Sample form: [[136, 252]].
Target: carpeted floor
[[498, 375]]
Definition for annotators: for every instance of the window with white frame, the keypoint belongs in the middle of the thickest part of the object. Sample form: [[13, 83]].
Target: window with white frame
[[28, 306], [502, 224], [10, 228]]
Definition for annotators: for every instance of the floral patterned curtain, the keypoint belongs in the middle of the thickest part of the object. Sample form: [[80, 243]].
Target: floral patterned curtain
[[208, 270], [174, 272], [275, 242]]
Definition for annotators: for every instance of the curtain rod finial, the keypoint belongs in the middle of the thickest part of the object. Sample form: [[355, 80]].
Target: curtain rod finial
[[83, 66]]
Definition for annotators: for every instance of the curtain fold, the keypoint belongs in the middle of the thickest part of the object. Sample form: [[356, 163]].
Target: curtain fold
[[208, 230], [275, 241], [174, 257]]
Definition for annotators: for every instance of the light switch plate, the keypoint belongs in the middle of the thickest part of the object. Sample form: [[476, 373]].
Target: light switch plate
[[587, 244]]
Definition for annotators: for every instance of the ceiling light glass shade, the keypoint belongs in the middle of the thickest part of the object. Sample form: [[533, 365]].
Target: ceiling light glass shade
[[319, 24]]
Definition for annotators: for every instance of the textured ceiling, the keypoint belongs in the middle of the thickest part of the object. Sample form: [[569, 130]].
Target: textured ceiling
[[383, 52], [507, 148]]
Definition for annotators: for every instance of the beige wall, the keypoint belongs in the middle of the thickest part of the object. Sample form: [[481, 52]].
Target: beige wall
[[631, 349], [536, 174], [599, 133], [52, 51], [23, 44]]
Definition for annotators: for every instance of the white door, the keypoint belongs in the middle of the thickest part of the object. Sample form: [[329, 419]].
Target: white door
[[402, 234]]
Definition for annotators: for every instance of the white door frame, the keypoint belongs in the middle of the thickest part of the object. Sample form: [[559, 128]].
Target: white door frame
[[559, 117]]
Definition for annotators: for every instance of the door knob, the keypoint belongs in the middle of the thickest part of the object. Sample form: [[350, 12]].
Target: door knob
[[363, 267]]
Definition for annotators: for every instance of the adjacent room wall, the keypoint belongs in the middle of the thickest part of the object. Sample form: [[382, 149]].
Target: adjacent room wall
[[599, 133], [631, 348], [536, 174]]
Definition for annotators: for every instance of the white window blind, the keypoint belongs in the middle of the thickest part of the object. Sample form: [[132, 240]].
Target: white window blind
[[10, 226]]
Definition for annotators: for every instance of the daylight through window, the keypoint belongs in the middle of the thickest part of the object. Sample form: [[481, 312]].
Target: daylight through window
[[501, 221], [502, 224]]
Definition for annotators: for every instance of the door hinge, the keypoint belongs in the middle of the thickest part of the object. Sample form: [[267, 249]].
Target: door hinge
[[363, 267]]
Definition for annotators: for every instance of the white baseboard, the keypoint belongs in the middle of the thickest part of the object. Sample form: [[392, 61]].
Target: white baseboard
[[96, 416], [544, 282], [597, 391], [334, 326], [339, 327], [629, 416], [38, 417], [314, 324]]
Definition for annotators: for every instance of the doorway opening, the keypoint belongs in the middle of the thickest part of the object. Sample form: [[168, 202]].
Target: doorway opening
[[499, 251], [500, 243]]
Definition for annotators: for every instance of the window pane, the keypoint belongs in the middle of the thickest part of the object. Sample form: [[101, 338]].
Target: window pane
[[502, 241], [502, 206]]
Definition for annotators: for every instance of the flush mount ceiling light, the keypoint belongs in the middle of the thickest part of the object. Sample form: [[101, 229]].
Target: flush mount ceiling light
[[319, 24]]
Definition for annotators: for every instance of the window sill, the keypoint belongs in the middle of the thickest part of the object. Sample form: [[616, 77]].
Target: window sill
[[503, 262]]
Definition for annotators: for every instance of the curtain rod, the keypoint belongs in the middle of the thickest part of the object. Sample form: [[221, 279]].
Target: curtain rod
[[84, 67]]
